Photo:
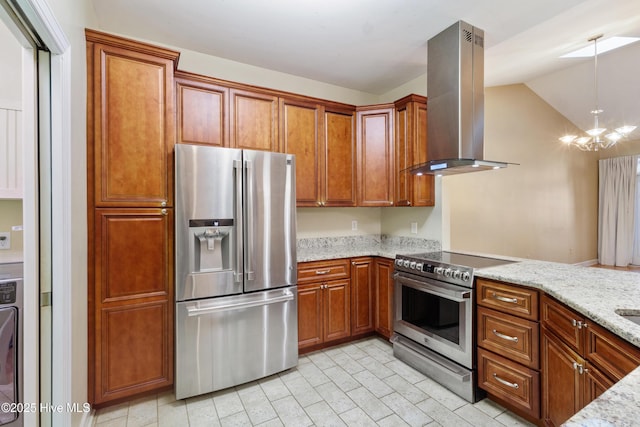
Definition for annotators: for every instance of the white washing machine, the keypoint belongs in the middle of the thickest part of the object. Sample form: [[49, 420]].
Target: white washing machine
[[11, 381]]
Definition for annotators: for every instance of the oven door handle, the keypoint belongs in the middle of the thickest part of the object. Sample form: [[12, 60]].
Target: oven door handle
[[438, 290]]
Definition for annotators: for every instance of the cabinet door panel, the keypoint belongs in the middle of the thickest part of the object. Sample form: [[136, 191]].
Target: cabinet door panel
[[424, 185], [384, 297], [596, 383], [336, 310], [134, 128], [375, 158], [300, 132], [135, 349], [561, 385], [403, 138], [339, 159], [202, 113], [310, 315], [254, 120], [122, 237], [362, 295]]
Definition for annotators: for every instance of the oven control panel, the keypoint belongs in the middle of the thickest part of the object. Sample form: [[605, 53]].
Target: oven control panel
[[456, 274]]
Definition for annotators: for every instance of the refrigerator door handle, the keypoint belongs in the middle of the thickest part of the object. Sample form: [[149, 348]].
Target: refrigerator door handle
[[285, 297], [237, 164], [249, 223]]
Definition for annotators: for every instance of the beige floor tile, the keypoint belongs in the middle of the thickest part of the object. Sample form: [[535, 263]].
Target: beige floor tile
[[406, 410], [354, 384], [322, 415]]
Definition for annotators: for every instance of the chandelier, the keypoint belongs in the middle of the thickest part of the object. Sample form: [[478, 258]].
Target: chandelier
[[597, 138]]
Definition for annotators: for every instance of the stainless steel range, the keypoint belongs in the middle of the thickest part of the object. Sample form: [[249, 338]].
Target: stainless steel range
[[434, 317]]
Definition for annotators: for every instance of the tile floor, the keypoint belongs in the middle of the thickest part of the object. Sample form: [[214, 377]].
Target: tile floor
[[356, 384]]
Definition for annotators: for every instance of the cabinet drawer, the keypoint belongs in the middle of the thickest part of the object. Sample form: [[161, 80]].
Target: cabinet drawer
[[510, 336], [510, 382], [614, 356], [508, 298], [563, 322], [315, 271]]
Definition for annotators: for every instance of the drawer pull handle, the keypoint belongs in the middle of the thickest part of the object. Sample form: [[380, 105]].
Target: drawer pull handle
[[507, 383], [321, 272], [578, 323], [505, 337], [505, 299]]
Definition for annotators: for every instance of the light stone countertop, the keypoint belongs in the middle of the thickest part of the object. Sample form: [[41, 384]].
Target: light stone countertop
[[318, 249], [594, 292]]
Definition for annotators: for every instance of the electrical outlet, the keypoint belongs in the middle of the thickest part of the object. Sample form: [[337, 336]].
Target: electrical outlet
[[5, 240], [414, 227], [354, 225]]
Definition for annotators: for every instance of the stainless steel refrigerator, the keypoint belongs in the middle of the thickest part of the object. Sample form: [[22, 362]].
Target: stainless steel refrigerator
[[235, 247]]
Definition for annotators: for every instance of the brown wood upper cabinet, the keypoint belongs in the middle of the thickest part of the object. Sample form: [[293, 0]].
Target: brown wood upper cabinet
[[410, 150], [300, 134], [322, 139], [254, 120], [202, 111], [339, 156], [376, 170], [131, 122]]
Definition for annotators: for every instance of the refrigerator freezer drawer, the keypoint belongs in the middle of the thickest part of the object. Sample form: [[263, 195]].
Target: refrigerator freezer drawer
[[223, 342]]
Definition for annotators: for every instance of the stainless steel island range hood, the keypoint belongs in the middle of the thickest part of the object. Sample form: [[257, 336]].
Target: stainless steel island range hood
[[455, 103]]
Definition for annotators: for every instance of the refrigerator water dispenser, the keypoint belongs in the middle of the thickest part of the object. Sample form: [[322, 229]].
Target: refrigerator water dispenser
[[212, 245]]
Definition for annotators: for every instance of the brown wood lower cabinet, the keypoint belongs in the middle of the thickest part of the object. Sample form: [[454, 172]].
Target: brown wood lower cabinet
[[508, 345], [510, 382], [562, 388], [383, 272], [132, 318], [362, 295], [323, 302], [580, 360], [344, 299]]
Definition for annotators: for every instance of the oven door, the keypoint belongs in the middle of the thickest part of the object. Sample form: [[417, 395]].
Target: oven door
[[435, 314]]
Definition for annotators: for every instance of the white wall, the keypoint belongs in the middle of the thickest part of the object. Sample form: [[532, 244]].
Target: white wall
[[544, 208], [73, 16], [10, 70]]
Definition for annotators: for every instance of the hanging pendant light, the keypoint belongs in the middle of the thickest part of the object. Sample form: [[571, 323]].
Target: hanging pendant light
[[597, 138]]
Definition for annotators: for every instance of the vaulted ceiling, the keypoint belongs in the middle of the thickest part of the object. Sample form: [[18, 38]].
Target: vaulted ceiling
[[377, 45]]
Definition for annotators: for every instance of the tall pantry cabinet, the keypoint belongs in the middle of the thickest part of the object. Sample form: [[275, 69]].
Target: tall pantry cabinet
[[130, 139]]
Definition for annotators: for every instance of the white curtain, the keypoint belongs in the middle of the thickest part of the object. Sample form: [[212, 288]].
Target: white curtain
[[635, 259], [616, 210]]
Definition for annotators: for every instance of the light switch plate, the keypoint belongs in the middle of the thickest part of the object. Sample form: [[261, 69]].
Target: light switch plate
[[414, 227], [5, 240]]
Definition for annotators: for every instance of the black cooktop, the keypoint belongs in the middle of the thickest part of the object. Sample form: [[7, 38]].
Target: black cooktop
[[454, 258]]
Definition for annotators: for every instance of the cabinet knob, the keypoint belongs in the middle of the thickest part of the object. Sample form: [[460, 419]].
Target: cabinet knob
[[163, 211], [164, 203]]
